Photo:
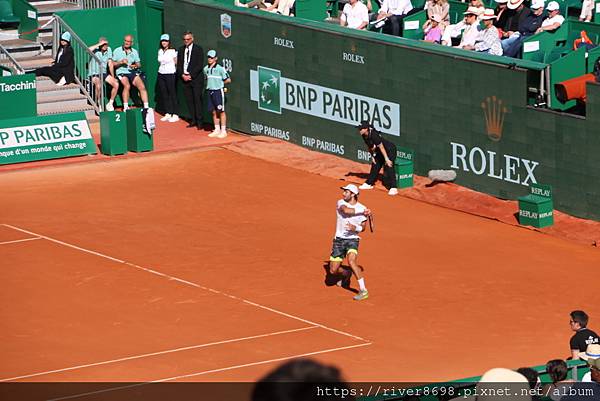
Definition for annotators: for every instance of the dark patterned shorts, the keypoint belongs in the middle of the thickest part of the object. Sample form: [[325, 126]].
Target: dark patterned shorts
[[343, 246]]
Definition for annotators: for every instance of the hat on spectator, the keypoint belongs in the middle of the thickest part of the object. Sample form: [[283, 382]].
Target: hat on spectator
[[496, 380], [536, 4], [514, 4], [352, 188], [552, 6], [501, 1], [592, 352], [436, 18], [473, 10], [212, 53], [488, 14], [66, 36], [165, 36], [363, 124]]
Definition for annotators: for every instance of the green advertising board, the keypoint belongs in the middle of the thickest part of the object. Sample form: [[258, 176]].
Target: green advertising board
[[311, 83], [45, 137], [18, 96]]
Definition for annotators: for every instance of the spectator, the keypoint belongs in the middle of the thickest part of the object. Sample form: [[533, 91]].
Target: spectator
[[514, 22], [529, 27], [495, 382], [62, 70], [583, 336], [478, 4], [468, 27], [439, 8], [282, 7], [557, 371], [355, 15], [104, 53], [433, 30], [301, 380], [588, 389], [128, 63], [487, 40], [587, 10], [167, 60], [554, 20], [394, 12], [533, 378], [502, 13], [592, 357], [190, 61]]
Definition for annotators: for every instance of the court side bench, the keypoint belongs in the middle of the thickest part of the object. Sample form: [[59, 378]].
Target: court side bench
[[536, 209]]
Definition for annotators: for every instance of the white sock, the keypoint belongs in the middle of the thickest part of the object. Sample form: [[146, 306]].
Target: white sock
[[126, 106], [146, 105], [110, 102], [361, 284], [223, 128]]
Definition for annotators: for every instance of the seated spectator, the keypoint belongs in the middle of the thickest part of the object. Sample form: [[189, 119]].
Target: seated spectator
[[557, 370], [300, 380], [588, 388], [554, 20], [533, 378], [355, 15], [583, 336], [127, 62], [468, 28], [439, 8], [502, 13], [514, 23], [487, 40], [433, 30], [587, 10], [528, 27], [592, 357], [104, 53], [282, 7], [394, 12], [62, 70]]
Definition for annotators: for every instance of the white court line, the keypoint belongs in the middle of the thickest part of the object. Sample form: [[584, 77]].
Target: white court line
[[129, 358], [212, 371], [190, 283], [19, 240]]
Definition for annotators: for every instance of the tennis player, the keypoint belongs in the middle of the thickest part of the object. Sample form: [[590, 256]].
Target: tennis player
[[351, 220]]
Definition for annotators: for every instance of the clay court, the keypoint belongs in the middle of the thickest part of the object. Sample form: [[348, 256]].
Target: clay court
[[208, 265]]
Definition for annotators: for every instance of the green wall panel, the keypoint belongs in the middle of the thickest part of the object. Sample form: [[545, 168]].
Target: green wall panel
[[456, 109]]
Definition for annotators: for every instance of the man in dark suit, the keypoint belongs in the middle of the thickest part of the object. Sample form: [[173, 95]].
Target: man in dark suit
[[190, 61]]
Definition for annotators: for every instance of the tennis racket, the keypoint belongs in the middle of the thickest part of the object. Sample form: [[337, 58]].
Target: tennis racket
[[371, 223]]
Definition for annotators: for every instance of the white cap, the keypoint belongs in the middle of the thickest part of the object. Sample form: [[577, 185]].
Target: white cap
[[352, 188], [535, 4], [552, 6]]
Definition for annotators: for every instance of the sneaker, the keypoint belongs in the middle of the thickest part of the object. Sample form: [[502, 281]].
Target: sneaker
[[345, 281], [365, 186], [216, 132], [61, 82], [363, 294], [165, 117], [110, 107], [223, 134], [174, 118], [393, 191]]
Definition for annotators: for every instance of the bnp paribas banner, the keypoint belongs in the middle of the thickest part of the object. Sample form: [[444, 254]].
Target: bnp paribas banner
[[275, 93], [18, 96], [45, 137]]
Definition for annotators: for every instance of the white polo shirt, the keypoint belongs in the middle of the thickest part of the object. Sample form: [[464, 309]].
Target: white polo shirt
[[396, 7], [355, 15], [557, 18]]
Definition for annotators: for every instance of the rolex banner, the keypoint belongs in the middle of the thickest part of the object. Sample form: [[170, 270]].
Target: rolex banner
[[45, 137]]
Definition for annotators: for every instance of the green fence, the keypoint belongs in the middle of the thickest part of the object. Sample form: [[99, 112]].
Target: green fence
[[309, 83]]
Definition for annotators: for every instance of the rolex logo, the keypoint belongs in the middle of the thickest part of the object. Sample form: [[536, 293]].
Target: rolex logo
[[494, 112], [268, 84]]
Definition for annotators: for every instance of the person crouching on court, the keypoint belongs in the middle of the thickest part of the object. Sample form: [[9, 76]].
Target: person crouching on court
[[216, 78], [351, 220], [383, 154]]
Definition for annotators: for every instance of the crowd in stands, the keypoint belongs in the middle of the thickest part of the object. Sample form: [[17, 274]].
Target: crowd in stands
[[308, 380]]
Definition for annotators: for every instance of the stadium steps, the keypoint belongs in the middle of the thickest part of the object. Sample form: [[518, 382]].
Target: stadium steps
[[53, 99], [46, 9]]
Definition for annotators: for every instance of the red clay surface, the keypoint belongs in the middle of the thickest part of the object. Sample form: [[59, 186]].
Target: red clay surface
[[222, 254]]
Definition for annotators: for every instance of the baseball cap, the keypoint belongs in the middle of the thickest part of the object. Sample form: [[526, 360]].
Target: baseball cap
[[165, 36], [552, 6], [535, 4], [212, 53], [352, 188], [363, 124]]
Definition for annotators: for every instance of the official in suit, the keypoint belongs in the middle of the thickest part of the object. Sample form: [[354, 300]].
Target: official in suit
[[190, 61]]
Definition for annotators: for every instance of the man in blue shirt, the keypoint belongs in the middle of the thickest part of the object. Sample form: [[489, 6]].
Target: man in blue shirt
[[127, 62], [216, 78]]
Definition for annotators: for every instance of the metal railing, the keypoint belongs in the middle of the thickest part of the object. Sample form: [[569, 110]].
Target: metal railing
[[8, 62], [83, 59], [91, 4]]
